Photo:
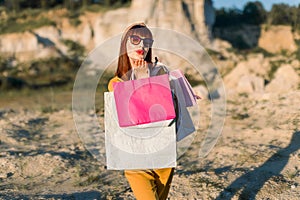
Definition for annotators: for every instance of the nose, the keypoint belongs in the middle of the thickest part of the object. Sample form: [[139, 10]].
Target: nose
[[142, 44]]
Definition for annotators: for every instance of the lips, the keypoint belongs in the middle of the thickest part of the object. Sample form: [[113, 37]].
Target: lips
[[140, 52]]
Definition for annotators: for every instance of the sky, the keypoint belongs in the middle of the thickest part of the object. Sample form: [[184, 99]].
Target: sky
[[240, 3]]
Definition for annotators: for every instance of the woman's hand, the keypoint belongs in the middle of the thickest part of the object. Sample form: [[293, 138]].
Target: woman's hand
[[139, 64], [140, 68]]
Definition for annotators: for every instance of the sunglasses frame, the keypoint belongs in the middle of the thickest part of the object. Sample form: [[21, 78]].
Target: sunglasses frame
[[146, 44]]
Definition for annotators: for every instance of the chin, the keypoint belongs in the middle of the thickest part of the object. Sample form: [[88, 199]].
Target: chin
[[139, 57]]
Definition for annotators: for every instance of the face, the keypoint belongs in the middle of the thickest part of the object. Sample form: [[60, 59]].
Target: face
[[138, 46]]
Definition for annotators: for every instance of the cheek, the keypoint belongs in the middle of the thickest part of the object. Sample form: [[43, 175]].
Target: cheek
[[130, 47], [130, 50]]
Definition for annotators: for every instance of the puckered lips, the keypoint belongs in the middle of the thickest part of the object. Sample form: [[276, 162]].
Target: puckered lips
[[140, 52]]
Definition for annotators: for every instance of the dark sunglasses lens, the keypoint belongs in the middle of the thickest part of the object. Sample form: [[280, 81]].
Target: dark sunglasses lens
[[148, 42], [135, 39]]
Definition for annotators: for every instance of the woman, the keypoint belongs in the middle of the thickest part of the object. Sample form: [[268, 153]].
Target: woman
[[136, 56]]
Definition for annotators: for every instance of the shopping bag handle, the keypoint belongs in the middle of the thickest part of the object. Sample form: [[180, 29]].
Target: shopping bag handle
[[172, 122]]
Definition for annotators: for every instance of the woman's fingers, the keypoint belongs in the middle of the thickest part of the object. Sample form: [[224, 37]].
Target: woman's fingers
[[139, 64], [135, 64], [143, 63]]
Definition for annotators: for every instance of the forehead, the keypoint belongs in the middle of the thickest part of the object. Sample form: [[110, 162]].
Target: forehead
[[144, 32]]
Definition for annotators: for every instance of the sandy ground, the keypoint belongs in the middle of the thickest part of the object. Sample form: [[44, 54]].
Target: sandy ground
[[256, 157]]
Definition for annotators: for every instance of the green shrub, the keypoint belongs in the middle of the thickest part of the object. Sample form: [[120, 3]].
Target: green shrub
[[260, 50], [297, 52], [75, 22], [274, 66], [12, 25], [74, 17], [104, 8], [75, 51]]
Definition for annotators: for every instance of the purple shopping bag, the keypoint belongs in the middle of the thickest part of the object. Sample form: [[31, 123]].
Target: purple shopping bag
[[189, 95], [144, 101]]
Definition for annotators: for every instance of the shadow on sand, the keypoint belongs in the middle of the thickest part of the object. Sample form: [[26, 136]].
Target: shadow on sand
[[74, 196], [251, 182]]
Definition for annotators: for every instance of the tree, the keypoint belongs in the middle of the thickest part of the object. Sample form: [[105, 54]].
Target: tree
[[280, 14], [254, 13], [44, 4], [86, 3], [228, 17], [296, 18], [69, 4], [15, 5]]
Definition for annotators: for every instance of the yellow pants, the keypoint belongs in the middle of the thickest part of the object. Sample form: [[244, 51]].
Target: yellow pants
[[150, 184]]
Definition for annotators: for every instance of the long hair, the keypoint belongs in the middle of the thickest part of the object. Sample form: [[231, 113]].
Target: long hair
[[123, 62]]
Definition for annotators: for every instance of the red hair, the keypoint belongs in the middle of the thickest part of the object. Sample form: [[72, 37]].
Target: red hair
[[123, 62]]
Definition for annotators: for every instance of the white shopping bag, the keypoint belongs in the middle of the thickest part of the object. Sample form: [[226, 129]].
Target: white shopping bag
[[147, 146]]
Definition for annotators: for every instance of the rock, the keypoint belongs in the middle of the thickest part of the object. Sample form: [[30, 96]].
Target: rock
[[3, 176], [137, 12], [258, 84], [201, 91], [244, 85], [104, 29], [258, 65], [18, 42], [7, 168], [248, 76], [286, 79], [232, 79], [281, 34], [250, 84], [295, 64], [221, 44], [19, 45], [193, 17], [47, 35]]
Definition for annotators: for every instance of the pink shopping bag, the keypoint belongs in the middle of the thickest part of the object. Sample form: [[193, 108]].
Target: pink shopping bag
[[189, 96], [144, 101]]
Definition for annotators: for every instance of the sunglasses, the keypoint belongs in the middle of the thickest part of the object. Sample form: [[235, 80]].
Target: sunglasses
[[135, 40]]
